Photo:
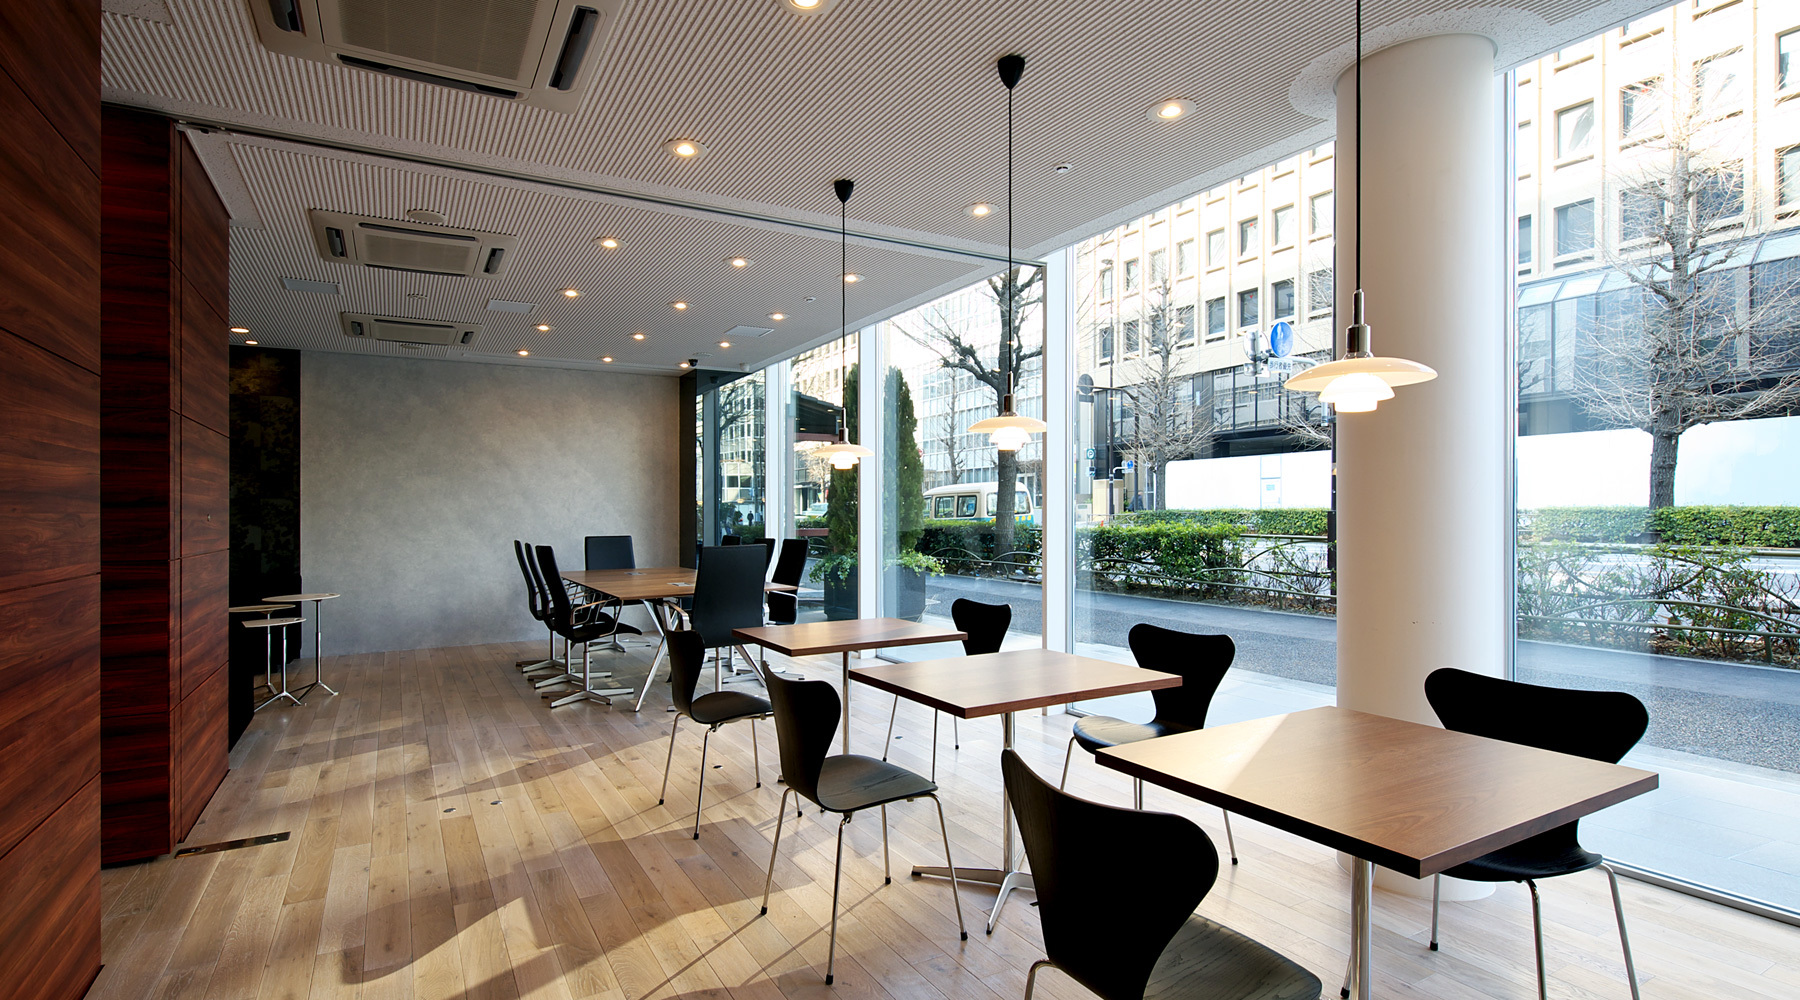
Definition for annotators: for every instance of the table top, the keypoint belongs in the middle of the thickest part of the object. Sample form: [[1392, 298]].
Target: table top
[[1416, 799], [245, 608], [971, 687], [272, 622], [845, 636], [301, 597], [648, 583]]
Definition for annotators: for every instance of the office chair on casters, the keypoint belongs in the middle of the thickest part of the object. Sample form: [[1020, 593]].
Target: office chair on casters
[[1201, 660], [611, 552], [576, 627], [1599, 725], [1122, 923], [536, 603], [806, 719], [985, 625], [687, 655]]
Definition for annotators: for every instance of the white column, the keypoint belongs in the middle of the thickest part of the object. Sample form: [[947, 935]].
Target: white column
[[778, 452], [1423, 514], [872, 432], [1059, 451]]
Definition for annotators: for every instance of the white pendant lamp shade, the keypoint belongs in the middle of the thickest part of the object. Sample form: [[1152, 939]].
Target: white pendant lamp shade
[[843, 454], [1009, 431], [1359, 380]]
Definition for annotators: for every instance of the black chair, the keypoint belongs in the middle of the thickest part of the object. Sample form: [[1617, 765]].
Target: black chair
[[1122, 922], [769, 545], [806, 719], [1201, 660], [608, 552], [1600, 725], [712, 710], [580, 625], [539, 606], [985, 625], [727, 595], [731, 540], [784, 608]]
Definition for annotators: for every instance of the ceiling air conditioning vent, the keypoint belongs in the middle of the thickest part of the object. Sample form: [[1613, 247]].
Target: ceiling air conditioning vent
[[399, 330], [544, 53], [409, 246]]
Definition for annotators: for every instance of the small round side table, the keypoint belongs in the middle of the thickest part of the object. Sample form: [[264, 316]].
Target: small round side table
[[318, 658], [268, 625]]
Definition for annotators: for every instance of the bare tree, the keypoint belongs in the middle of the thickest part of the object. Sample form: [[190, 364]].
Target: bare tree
[[1159, 388], [953, 430], [1689, 342], [1014, 293]]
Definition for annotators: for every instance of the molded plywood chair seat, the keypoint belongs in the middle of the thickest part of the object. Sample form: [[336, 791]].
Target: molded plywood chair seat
[[1599, 725], [1201, 660], [806, 719], [1121, 922], [712, 710], [985, 625]]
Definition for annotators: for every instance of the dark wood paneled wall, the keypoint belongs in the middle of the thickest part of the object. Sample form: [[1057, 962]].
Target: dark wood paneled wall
[[50, 496], [164, 455]]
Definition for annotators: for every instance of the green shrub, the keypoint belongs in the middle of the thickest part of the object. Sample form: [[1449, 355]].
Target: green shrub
[[1272, 521], [1757, 527]]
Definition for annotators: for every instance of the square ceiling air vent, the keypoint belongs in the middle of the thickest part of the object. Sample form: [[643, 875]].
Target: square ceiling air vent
[[545, 53], [747, 332], [410, 246], [400, 330], [308, 285]]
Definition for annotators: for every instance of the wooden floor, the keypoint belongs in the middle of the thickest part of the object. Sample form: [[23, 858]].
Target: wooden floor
[[453, 837]]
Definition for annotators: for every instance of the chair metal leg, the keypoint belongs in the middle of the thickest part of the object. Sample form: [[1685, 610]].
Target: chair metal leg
[[1230, 844], [950, 866], [955, 734], [1031, 976], [887, 872], [1137, 794], [664, 794], [755, 756], [1437, 884], [1537, 936], [769, 879], [837, 878], [1624, 941], [934, 737], [1349, 970], [1068, 755], [892, 713], [700, 794]]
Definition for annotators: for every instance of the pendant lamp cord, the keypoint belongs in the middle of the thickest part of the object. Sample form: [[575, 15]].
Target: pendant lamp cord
[[1359, 142], [1011, 274], [844, 313]]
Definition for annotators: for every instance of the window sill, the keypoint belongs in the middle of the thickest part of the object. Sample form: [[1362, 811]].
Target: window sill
[[1714, 9], [1578, 60], [1570, 161], [1247, 258], [1214, 268], [1564, 260], [1640, 36], [1316, 237], [1627, 142]]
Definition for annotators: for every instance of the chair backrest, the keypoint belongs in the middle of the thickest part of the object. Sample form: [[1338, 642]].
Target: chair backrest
[[784, 608], [1201, 660], [768, 545], [608, 552], [1600, 725], [806, 719], [533, 597], [727, 592], [562, 610], [986, 624], [1113, 885], [730, 540], [686, 657]]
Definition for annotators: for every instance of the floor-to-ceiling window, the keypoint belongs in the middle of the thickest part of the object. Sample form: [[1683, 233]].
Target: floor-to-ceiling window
[[951, 527], [1202, 490], [824, 500], [1658, 449], [740, 457]]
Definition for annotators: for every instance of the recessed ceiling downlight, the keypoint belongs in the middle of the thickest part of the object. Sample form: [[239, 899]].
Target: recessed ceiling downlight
[[523, 353], [250, 343], [544, 328], [607, 242], [724, 343], [851, 279], [240, 329], [637, 336], [607, 359], [739, 262], [1170, 110], [684, 149], [678, 305], [979, 209], [809, 6], [778, 317], [572, 292]]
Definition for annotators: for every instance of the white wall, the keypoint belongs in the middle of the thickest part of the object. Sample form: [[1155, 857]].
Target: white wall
[[416, 475], [1253, 482], [1748, 462]]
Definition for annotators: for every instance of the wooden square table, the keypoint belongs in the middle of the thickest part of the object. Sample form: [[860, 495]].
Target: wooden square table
[[1415, 799], [974, 687], [845, 636]]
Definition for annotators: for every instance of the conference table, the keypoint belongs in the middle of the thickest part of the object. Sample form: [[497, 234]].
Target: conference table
[[845, 636], [1411, 798], [652, 587], [974, 687]]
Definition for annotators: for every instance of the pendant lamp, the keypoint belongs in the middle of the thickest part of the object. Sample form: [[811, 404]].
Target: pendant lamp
[[1360, 379], [1009, 431], [842, 453]]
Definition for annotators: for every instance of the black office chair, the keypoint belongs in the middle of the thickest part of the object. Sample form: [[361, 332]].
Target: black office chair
[[985, 625], [539, 607], [712, 710], [731, 540], [608, 552], [727, 595], [1600, 725], [580, 625], [806, 719], [769, 545], [1201, 660], [1122, 922], [784, 608]]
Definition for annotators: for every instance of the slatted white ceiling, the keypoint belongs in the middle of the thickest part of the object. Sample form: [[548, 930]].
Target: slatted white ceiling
[[900, 96]]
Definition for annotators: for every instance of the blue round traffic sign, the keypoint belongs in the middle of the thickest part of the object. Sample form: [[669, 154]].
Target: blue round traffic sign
[[1281, 339]]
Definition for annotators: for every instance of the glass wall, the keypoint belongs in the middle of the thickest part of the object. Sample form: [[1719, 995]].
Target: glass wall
[[1202, 487], [1658, 449], [951, 527], [824, 502], [740, 457]]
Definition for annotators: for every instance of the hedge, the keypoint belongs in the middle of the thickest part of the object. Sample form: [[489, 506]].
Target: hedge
[[1273, 521], [950, 538], [1757, 527]]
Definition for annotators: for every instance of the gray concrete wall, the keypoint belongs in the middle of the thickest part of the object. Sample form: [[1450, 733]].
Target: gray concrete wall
[[416, 475]]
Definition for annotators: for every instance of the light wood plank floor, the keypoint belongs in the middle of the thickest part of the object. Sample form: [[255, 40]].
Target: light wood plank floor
[[453, 837]]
